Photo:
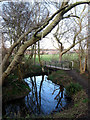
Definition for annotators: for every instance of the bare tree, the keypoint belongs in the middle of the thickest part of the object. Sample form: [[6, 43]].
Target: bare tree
[[46, 27], [21, 18], [74, 29]]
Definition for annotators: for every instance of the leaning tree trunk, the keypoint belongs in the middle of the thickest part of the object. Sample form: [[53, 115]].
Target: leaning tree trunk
[[89, 55], [26, 44], [58, 16], [35, 54], [88, 38]]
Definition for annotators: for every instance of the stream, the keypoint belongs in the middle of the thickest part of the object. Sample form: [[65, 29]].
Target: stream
[[45, 97]]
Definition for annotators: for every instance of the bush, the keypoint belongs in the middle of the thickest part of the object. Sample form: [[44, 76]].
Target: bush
[[73, 88]]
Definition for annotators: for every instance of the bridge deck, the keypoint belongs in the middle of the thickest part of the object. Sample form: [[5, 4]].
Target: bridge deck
[[55, 67]]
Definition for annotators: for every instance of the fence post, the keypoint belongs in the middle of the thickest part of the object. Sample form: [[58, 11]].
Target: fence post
[[72, 64]]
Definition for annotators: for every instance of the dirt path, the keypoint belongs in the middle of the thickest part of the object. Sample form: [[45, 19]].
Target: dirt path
[[78, 78]]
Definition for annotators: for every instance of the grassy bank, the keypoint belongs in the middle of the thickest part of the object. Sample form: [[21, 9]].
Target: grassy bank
[[15, 86], [79, 97], [15, 90], [79, 107], [60, 78], [78, 110]]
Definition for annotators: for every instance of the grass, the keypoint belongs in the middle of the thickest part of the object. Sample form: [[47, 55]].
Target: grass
[[73, 88], [50, 57], [79, 97], [55, 57], [75, 112], [60, 77], [78, 109]]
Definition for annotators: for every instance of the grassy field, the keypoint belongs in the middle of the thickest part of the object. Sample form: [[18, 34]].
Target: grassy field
[[55, 57]]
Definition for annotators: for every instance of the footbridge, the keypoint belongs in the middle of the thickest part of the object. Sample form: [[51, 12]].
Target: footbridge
[[63, 65]]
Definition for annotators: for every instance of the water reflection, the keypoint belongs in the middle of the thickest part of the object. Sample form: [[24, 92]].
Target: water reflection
[[45, 97]]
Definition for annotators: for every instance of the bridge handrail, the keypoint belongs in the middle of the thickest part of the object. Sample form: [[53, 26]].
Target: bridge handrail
[[63, 64]]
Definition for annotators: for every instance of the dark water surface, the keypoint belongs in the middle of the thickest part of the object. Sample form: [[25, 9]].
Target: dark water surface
[[45, 98]]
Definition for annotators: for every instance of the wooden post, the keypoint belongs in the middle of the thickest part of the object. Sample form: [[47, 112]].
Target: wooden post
[[72, 64]]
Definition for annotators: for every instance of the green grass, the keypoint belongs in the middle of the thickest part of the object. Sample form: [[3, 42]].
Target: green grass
[[70, 57], [73, 88], [77, 110], [50, 57], [85, 100], [60, 77]]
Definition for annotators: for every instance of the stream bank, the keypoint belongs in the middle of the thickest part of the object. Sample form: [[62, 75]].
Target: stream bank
[[79, 107], [15, 88]]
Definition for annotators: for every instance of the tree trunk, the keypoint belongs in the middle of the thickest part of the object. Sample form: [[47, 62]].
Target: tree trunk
[[39, 54], [88, 38], [37, 37], [35, 54], [60, 57]]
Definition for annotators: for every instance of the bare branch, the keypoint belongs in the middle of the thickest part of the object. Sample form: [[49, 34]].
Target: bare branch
[[33, 40], [71, 16]]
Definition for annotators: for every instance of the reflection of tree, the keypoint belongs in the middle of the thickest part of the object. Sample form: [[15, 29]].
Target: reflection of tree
[[61, 89], [35, 95], [40, 89], [32, 102]]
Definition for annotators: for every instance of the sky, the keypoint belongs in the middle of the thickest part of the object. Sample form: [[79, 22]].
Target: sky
[[46, 42]]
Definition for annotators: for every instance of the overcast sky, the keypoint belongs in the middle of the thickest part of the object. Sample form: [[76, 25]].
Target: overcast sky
[[46, 42]]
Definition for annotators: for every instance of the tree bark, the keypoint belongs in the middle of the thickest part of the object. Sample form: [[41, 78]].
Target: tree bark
[[35, 54], [14, 45], [89, 38]]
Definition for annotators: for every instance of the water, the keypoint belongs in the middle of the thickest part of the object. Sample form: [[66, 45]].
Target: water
[[45, 98]]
